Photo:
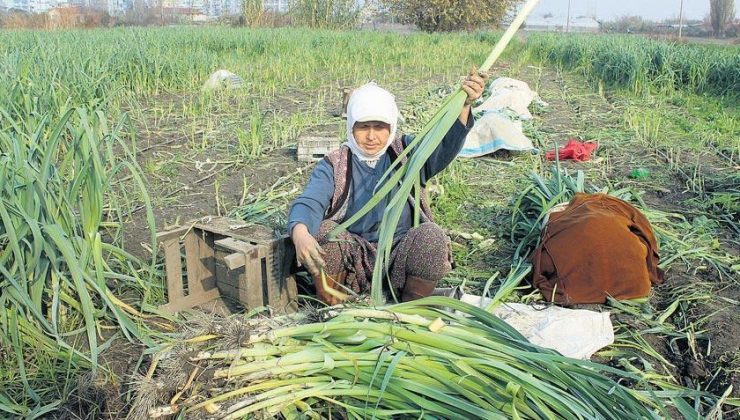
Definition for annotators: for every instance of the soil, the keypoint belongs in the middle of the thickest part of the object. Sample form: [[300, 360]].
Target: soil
[[190, 194]]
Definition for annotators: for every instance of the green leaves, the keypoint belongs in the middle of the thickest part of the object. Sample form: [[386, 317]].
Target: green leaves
[[474, 366], [56, 179], [645, 64], [412, 169]]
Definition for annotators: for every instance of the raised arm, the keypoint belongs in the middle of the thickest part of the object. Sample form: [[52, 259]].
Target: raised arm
[[454, 140]]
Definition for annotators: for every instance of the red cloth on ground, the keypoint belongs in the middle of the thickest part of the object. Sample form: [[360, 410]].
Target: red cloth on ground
[[574, 150]]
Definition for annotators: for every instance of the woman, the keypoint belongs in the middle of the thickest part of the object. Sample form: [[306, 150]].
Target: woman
[[344, 181]]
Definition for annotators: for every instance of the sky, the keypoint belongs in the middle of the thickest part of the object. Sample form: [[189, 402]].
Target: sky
[[610, 9]]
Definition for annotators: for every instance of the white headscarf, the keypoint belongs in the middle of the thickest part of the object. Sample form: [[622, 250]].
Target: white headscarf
[[370, 102]]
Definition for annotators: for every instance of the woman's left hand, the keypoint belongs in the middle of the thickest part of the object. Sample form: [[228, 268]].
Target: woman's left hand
[[473, 85]]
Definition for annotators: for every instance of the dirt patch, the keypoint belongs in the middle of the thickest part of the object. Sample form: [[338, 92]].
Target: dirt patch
[[193, 170], [103, 396], [191, 195]]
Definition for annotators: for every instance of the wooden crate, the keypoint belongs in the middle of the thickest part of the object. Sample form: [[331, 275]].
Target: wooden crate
[[223, 258], [315, 148]]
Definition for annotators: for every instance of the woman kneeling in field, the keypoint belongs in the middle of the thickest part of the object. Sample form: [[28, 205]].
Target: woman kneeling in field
[[344, 181]]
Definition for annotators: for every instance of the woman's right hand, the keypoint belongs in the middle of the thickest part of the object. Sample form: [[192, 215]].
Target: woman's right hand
[[308, 251]]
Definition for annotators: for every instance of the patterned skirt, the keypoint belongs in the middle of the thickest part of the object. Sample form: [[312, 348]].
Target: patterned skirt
[[424, 251]]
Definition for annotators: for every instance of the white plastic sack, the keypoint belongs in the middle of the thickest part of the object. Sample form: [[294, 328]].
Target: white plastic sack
[[507, 93], [494, 131], [576, 333], [223, 78]]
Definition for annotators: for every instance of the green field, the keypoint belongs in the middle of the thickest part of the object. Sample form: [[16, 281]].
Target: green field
[[106, 137]]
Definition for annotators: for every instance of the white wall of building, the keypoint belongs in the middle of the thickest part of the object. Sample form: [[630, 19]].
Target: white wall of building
[[113, 7], [211, 8]]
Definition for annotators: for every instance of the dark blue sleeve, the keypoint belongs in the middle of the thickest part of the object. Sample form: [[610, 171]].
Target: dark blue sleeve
[[447, 150], [310, 207]]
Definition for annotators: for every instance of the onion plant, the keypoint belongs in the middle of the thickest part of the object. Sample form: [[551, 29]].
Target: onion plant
[[58, 273], [644, 63], [432, 358]]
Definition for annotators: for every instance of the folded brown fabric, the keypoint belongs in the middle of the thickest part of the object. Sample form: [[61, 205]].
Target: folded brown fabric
[[598, 246]]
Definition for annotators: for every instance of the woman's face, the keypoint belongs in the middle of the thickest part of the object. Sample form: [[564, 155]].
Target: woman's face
[[371, 136]]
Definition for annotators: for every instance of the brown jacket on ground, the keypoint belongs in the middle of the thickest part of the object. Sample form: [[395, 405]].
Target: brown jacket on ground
[[598, 246]]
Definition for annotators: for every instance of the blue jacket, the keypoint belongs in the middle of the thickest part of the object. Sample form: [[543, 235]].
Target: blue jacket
[[311, 206]]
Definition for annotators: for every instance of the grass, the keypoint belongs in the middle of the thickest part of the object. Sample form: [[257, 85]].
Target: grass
[[693, 241], [115, 66]]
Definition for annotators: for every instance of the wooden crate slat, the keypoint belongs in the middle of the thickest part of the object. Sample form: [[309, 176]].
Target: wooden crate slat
[[317, 149], [234, 245], [317, 140], [272, 280], [173, 266], [288, 293], [281, 287], [314, 148], [225, 276], [171, 234], [199, 263], [235, 260], [219, 225], [190, 301], [253, 270], [236, 229]]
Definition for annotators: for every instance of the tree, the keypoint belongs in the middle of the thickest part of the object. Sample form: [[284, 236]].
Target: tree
[[450, 15], [253, 13], [629, 24], [721, 12], [325, 14]]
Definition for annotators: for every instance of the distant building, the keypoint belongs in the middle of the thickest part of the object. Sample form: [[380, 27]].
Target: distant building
[[21, 5], [210, 8], [232, 7], [39, 6], [193, 11], [118, 7], [217, 8], [113, 7], [552, 23], [278, 6]]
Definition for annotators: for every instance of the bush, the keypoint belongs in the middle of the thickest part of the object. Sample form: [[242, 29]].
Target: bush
[[325, 14], [450, 15], [18, 20], [629, 24], [255, 15], [641, 64]]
